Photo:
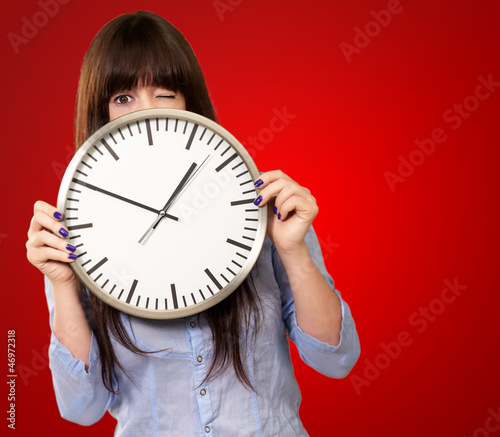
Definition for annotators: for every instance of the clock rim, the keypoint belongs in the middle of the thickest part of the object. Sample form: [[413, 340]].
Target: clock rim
[[261, 224]]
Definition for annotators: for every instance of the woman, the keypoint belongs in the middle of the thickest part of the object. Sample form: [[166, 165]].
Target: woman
[[226, 371]]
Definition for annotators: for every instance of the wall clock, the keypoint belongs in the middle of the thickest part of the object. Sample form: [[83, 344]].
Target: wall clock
[[159, 204]]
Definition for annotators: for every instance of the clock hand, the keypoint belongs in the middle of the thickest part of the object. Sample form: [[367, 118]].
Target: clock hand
[[180, 187], [117, 196]]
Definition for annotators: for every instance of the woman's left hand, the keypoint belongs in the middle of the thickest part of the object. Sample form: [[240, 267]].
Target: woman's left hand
[[291, 209]]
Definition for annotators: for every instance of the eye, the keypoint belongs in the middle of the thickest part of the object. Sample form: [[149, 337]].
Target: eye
[[166, 96], [122, 99]]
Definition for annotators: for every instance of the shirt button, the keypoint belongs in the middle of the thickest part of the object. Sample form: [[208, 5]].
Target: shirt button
[[200, 359], [207, 429], [192, 324], [203, 392]]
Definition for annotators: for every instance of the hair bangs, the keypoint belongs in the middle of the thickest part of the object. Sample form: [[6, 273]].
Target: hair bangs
[[143, 58]]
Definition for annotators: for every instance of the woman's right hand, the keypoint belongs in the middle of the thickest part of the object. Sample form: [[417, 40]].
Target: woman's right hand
[[48, 247]]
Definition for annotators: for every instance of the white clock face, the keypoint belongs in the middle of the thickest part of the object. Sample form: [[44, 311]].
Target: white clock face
[[159, 204]]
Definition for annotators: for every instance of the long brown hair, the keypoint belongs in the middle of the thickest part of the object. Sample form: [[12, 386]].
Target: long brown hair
[[144, 48]]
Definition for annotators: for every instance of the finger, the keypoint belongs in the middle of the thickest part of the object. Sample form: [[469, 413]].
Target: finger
[[48, 239], [269, 177], [269, 191], [304, 208], [44, 253], [50, 210], [292, 189], [42, 221]]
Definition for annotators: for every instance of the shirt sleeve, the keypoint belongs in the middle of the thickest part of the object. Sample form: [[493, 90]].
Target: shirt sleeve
[[80, 394], [332, 361]]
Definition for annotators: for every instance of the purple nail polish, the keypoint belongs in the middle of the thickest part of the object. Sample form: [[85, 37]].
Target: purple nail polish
[[258, 200], [63, 232], [72, 256], [279, 216], [57, 215], [70, 247], [258, 183], [275, 209]]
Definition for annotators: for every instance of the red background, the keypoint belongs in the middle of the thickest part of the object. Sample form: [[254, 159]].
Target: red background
[[389, 251]]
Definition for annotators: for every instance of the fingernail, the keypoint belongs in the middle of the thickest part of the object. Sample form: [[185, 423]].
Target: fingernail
[[63, 232], [258, 200], [258, 182], [70, 247], [279, 216], [275, 209], [58, 215], [72, 256]]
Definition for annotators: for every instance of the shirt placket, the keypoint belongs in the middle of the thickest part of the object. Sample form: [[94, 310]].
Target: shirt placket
[[200, 358]]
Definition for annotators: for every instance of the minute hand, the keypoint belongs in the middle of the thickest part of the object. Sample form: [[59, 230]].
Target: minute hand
[[117, 196]]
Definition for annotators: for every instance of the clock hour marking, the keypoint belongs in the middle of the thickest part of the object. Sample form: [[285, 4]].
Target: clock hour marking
[[242, 202], [148, 129], [212, 277], [226, 162], [191, 137], [84, 226], [238, 244], [174, 295], [109, 149], [99, 264], [132, 290]]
